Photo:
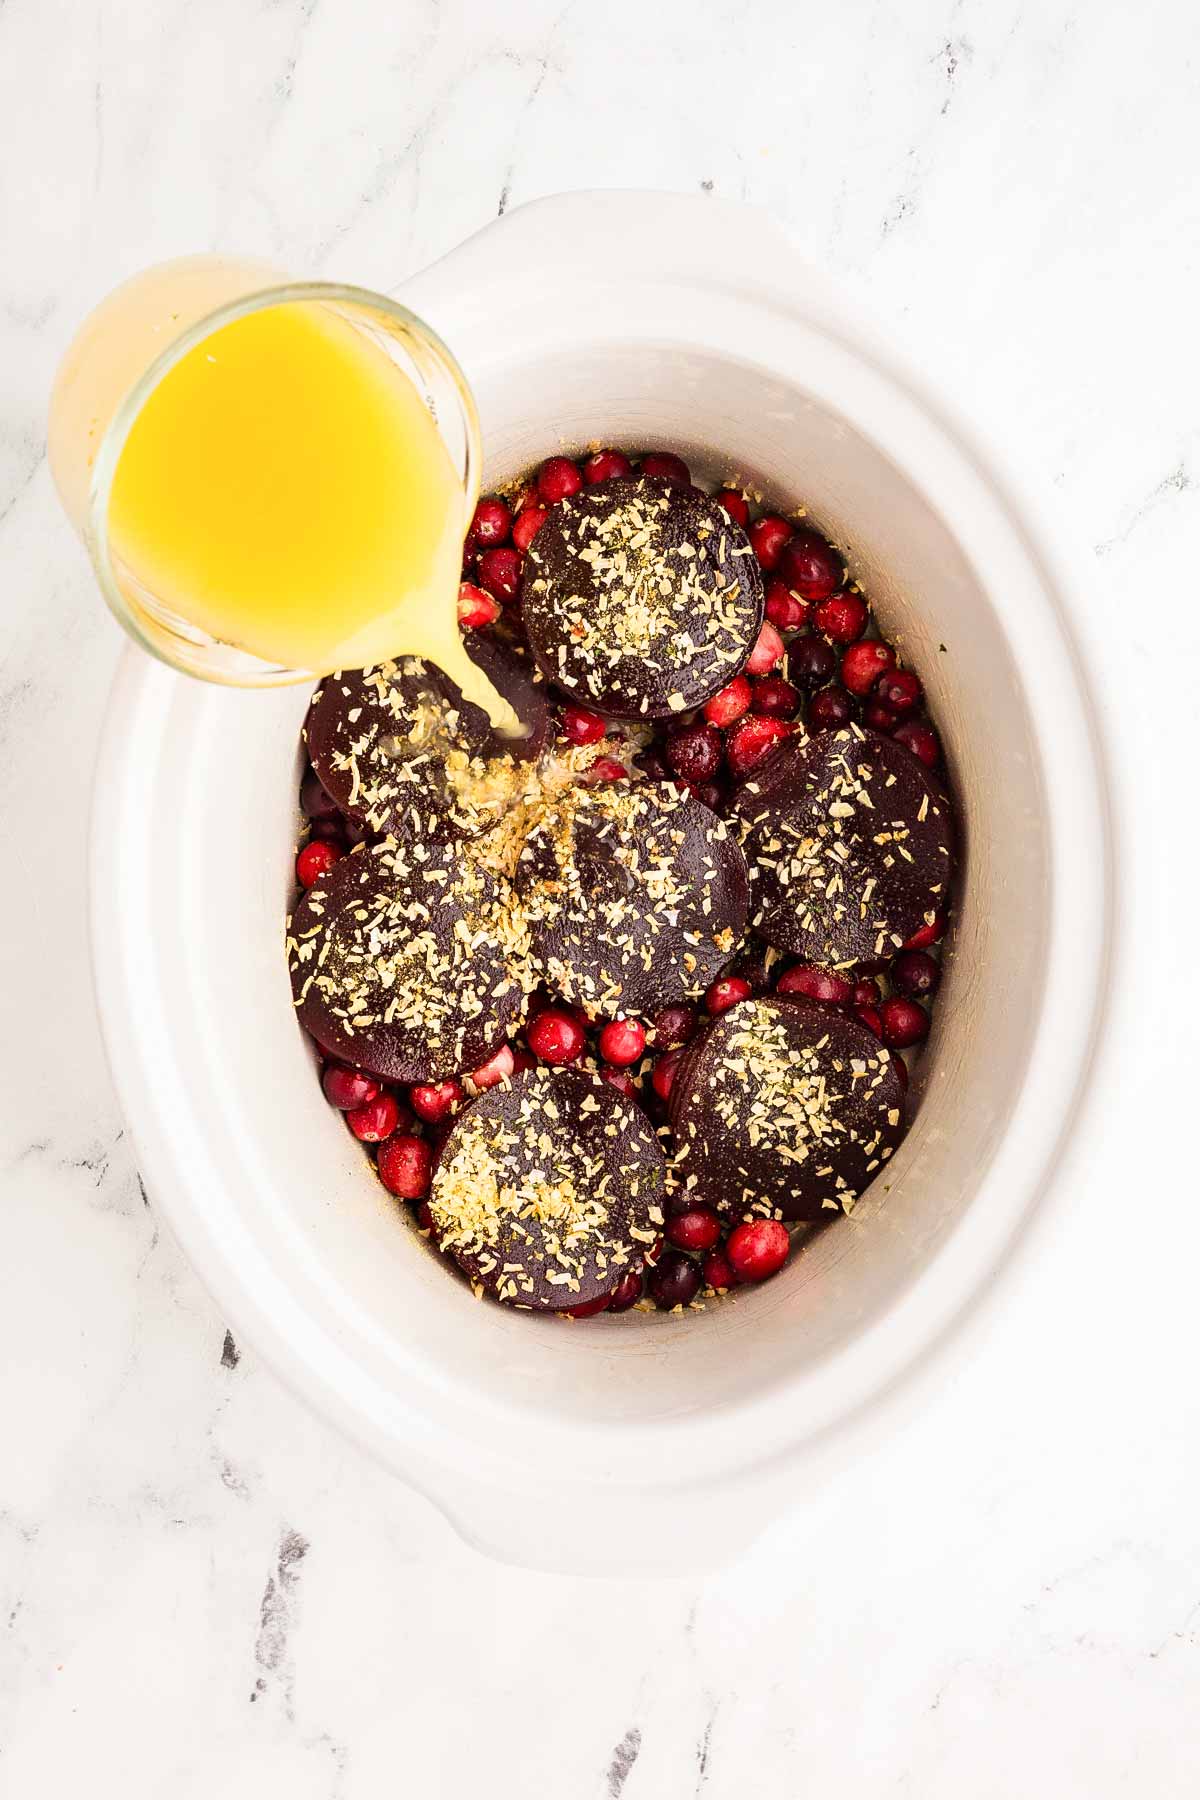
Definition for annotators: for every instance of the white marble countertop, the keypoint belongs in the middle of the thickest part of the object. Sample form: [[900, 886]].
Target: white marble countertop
[[202, 1589]]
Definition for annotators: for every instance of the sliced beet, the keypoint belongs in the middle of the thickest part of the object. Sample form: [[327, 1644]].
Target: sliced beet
[[850, 844], [407, 964], [549, 1189], [403, 753], [785, 1109], [635, 895], [641, 598]]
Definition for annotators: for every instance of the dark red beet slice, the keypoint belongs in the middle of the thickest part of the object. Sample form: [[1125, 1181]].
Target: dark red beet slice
[[850, 846], [400, 750], [784, 1109], [635, 895], [407, 964], [549, 1189], [641, 598]]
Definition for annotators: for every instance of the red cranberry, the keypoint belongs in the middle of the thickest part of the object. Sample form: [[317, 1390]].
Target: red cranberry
[[829, 710], [674, 1025], [758, 1248], [768, 535], [717, 1270], [869, 1016], [767, 651], [662, 466], [475, 608], [316, 859], [622, 1080], [812, 661], [811, 565], [863, 663], [694, 752], [866, 992], [825, 985], [674, 1282], [901, 1068], [607, 768], [752, 740], [916, 974], [491, 523], [587, 1309], [526, 526], [623, 1041], [606, 465], [736, 505], [921, 740], [375, 1121], [499, 571], [776, 698], [581, 726], [696, 1229], [627, 1292], [497, 1068], [900, 691], [727, 707], [522, 1060], [786, 610], [348, 1088], [711, 793], [315, 802], [557, 478], [726, 993], [433, 1104], [404, 1164], [526, 498], [556, 1037], [932, 932], [879, 717], [843, 617], [903, 1023], [664, 1074]]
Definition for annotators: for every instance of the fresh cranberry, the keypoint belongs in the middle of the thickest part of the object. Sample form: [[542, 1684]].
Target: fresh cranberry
[[433, 1104], [717, 1270], [696, 1229], [499, 571], [556, 1037], [866, 992], [736, 505], [475, 608], [776, 698], [751, 740], [825, 985], [711, 793], [664, 1074], [526, 526], [557, 479], [694, 752], [674, 1025], [375, 1121], [627, 1292], [901, 1068], [879, 717], [607, 768], [674, 1282], [623, 1041], [758, 1248], [526, 498], [425, 1220], [727, 707], [497, 1068], [869, 1016], [662, 466], [921, 741], [587, 1309], [315, 802], [767, 651], [932, 932], [900, 691], [622, 1080], [726, 993], [787, 610], [811, 565], [916, 974], [522, 1060], [606, 465], [829, 710], [316, 859], [404, 1164], [348, 1088], [843, 617], [812, 661], [491, 523], [581, 726], [864, 662], [768, 535], [903, 1023]]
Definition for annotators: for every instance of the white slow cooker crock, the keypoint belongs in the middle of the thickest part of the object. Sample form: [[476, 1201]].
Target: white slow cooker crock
[[611, 318]]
